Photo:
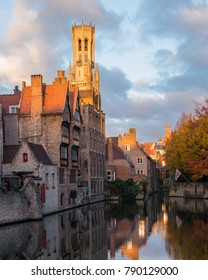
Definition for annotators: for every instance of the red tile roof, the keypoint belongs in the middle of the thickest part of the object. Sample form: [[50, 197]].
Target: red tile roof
[[25, 103], [9, 100], [54, 99]]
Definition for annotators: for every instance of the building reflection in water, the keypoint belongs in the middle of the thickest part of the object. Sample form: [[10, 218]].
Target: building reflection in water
[[141, 230]]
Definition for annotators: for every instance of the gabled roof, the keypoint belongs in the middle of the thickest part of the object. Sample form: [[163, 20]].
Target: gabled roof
[[40, 153], [9, 100], [118, 154], [9, 152], [73, 98], [53, 101], [55, 98], [25, 103], [150, 148]]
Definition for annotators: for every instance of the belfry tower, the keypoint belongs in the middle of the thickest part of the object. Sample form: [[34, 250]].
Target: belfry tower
[[83, 73]]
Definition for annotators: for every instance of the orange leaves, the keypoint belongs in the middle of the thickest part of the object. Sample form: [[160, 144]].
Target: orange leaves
[[188, 147]]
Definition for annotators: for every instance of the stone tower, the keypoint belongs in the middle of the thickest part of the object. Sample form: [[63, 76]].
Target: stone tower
[[84, 73]]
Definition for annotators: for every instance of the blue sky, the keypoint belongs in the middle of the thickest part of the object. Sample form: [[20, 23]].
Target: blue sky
[[152, 55]]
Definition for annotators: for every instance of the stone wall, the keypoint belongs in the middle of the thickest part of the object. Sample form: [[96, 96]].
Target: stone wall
[[193, 190], [21, 206]]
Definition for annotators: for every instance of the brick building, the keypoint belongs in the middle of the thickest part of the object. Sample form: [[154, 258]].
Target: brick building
[[127, 159], [45, 118], [85, 75]]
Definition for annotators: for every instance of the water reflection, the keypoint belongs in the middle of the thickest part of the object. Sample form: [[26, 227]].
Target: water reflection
[[159, 228]]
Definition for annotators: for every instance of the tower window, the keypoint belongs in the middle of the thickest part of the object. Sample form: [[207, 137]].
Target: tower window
[[79, 44], [86, 45]]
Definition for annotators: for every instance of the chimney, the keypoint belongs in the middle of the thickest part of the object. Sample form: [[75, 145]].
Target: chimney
[[61, 73], [36, 94], [110, 149], [16, 89], [23, 84]]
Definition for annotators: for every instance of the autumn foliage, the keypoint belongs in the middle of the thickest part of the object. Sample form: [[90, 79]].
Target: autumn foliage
[[187, 149]]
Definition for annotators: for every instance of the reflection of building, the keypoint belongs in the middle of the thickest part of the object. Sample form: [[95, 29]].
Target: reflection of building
[[77, 234]]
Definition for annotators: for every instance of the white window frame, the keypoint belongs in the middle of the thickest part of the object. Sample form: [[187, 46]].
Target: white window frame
[[140, 160], [127, 147], [13, 109], [140, 172]]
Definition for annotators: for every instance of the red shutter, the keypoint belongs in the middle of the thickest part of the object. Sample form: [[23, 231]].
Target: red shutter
[[43, 196]]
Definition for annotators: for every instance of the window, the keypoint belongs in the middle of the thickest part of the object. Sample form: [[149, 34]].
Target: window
[[46, 181], [25, 157], [76, 134], [127, 147], [86, 45], [64, 152], [53, 180], [79, 44], [77, 115], [109, 176], [140, 160], [140, 172], [73, 176], [65, 130], [75, 154], [61, 176], [13, 109]]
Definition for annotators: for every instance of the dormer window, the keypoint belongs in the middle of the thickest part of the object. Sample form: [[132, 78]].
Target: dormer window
[[25, 157]]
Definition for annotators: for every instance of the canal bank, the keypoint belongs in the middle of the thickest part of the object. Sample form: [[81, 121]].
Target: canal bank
[[189, 190]]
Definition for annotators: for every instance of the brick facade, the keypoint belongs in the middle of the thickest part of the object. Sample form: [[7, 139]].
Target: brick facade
[[127, 159]]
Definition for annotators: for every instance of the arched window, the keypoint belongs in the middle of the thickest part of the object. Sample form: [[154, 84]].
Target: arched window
[[86, 45], [79, 44]]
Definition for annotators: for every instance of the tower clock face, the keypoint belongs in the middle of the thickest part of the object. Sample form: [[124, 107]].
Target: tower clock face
[[79, 62]]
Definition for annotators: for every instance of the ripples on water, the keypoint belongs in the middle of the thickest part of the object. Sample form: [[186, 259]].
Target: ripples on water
[[160, 228]]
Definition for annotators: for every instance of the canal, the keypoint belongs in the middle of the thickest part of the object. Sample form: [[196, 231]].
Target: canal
[[160, 228]]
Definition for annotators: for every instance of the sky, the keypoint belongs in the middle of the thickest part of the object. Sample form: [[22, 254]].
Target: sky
[[152, 55]]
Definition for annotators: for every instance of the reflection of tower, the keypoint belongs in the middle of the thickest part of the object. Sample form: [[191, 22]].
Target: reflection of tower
[[83, 72]]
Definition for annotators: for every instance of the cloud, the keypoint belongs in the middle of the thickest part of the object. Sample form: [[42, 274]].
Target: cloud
[[37, 41]]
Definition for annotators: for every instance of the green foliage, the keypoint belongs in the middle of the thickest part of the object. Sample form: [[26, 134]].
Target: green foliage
[[126, 190], [187, 149]]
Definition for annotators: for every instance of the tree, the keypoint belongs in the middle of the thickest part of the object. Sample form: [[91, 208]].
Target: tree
[[126, 190], [187, 149]]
